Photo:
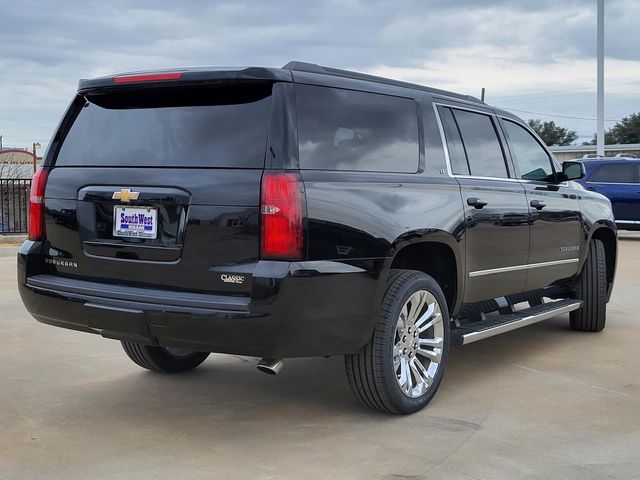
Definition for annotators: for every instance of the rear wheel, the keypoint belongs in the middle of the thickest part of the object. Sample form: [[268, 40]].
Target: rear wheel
[[401, 367], [592, 290], [165, 360]]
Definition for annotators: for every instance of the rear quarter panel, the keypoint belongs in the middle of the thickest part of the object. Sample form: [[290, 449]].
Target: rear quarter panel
[[364, 219]]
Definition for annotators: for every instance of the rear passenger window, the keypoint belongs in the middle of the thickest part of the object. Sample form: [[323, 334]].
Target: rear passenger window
[[349, 130], [481, 144], [615, 174]]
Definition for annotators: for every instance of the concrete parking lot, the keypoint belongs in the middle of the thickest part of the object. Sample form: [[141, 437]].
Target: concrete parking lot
[[540, 402]]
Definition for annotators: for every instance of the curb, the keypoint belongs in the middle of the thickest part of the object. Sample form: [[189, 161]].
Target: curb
[[8, 251], [13, 239]]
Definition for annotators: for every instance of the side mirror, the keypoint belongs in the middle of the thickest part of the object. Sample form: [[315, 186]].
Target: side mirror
[[572, 170]]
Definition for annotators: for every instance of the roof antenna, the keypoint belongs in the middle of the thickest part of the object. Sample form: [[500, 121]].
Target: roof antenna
[[482, 94]]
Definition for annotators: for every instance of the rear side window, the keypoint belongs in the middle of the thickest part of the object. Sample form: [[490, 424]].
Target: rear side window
[[349, 130], [186, 127], [481, 144], [617, 173]]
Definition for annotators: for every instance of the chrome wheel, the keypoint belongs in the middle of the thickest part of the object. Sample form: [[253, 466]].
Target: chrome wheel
[[418, 343]]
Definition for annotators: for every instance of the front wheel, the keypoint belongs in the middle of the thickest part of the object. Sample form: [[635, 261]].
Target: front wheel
[[401, 367], [164, 360], [592, 290]]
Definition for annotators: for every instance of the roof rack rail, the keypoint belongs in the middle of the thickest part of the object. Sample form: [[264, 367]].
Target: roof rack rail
[[314, 68]]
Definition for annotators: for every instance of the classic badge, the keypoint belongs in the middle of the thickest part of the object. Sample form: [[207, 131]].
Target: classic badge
[[232, 278]]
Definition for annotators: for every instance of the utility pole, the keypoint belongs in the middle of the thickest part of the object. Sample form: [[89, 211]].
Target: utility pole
[[600, 82]]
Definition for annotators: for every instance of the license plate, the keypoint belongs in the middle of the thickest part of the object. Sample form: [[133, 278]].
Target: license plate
[[135, 222]]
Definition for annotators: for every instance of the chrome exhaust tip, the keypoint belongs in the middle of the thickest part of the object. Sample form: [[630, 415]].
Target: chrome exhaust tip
[[270, 366]]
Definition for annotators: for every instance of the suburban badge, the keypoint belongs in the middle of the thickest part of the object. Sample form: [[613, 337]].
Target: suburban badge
[[61, 263]]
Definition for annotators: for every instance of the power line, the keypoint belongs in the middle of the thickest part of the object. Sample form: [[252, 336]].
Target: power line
[[542, 95], [577, 91], [559, 116]]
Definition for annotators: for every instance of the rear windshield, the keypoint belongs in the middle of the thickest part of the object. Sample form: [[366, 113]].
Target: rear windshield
[[187, 127]]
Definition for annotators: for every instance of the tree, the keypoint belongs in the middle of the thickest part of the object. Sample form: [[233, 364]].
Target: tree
[[15, 163], [553, 134], [625, 131], [12, 170]]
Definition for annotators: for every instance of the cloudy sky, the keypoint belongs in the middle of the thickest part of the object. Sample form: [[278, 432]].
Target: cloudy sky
[[535, 57]]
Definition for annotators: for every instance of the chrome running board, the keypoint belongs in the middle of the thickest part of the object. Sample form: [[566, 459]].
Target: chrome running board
[[505, 323]]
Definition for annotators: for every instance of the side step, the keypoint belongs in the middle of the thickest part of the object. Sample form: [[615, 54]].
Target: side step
[[504, 323]]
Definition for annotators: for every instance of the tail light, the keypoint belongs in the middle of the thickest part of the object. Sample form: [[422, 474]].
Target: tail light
[[36, 206], [281, 214]]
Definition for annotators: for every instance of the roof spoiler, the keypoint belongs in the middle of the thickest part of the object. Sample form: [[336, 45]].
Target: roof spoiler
[[181, 76]]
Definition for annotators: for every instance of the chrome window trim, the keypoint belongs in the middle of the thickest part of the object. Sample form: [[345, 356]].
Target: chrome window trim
[[443, 139], [477, 177], [529, 266]]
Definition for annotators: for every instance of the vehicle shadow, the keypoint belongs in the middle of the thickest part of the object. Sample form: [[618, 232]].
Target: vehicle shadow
[[313, 388]]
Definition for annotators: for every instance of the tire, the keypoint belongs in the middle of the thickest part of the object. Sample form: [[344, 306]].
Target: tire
[[375, 373], [592, 290], [160, 359]]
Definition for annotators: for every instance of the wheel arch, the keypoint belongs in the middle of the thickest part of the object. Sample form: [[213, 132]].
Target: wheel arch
[[437, 255]]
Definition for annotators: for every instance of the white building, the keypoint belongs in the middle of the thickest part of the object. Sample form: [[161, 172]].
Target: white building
[[570, 152]]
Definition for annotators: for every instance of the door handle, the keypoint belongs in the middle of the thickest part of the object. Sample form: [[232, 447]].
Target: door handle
[[476, 203], [537, 204]]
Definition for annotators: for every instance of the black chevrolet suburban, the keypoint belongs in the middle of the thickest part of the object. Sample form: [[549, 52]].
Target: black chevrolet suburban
[[307, 211]]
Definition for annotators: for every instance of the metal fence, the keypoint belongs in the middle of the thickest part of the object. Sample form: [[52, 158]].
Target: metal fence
[[14, 205]]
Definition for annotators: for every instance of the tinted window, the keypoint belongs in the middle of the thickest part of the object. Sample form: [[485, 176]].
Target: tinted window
[[348, 130], [617, 173], [212, 127], [533, 161], [481, 144], [458, 158]]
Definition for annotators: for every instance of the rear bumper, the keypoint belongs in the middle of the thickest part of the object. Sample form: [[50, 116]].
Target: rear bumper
[[296, 309]]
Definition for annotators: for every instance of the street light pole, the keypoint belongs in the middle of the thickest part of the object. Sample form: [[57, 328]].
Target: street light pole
[[35, 158], [600, 82]]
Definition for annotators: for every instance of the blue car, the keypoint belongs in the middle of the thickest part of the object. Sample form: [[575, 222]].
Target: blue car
[[618, 179]]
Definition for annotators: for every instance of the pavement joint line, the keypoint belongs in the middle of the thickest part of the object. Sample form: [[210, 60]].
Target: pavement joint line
[[569, 380]]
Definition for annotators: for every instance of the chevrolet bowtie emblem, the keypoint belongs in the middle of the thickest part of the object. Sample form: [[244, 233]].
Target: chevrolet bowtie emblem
[[125, 195]]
